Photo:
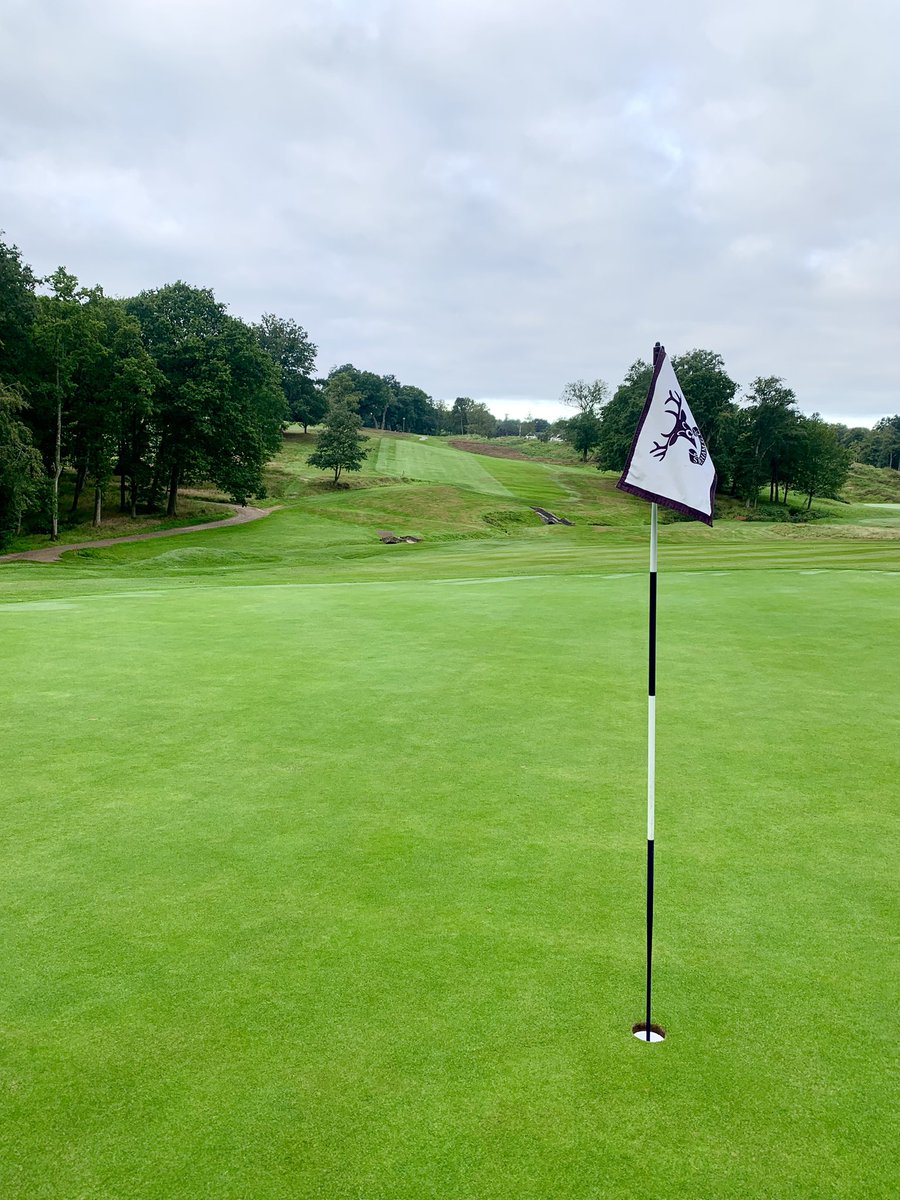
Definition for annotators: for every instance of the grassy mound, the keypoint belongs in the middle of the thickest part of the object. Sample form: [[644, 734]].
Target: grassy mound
[[872, 485]]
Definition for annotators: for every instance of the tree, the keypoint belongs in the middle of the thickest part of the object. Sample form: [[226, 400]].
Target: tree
[[414, 410], [383, 402], [339, 390], [244, 428], [289, 347], [373, 393], [733, 455], [460, 414], [180, 326], [481, 420], [391, 397], [709, 391], [587, 397], [884, 443], [857, 440], [115, 392], [68, 346], [18, 312], [131, 388], [770, 438], [442, 419], [21, 469], [618, 419], [822, 463], [468, 416], [340, 447], [583, 432], [219, 410]]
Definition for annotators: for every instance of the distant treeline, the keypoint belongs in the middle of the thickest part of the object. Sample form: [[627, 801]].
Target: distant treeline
[[166, 389], [763, 441]]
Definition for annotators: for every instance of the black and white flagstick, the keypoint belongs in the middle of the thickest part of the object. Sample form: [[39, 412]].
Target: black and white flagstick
[[648, 1032], [685, 482], [651, 761]]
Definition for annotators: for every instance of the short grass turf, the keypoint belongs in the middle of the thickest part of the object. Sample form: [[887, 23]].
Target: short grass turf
[[433, 460], [335, 888]]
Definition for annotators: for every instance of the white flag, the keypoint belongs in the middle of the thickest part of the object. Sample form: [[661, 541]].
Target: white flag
[[668, 462]]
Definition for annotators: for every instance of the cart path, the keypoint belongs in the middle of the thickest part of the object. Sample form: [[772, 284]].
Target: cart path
[[53, 553]]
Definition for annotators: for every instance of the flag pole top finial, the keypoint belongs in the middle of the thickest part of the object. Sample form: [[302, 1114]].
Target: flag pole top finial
[[657, 351]]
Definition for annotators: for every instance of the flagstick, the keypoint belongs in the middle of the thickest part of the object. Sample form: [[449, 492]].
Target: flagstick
[[651, 754], [675, 486]]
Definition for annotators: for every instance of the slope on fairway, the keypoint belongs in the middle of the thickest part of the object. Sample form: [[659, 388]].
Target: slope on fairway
[[534, 482], [434, 461], [336, 891]]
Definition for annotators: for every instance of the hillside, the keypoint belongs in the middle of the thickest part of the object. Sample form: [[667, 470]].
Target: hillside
[[441, 486], [872, 485], [473, 514]]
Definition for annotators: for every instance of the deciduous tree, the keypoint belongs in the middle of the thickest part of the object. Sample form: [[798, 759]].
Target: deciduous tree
[[21, 469], [884, 443], [340, 447], [586, 397], [219, 409], [618, 419], [772, 434], [709, 391], [18, 312], [289, 347], [68, 345], [372, 392], [822, 463], [583, 432]]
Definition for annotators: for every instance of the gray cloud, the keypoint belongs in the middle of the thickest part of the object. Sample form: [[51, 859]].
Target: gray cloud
[[484, 198]]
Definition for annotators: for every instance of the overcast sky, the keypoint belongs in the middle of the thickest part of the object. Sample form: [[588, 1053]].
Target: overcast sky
[[483, 197]]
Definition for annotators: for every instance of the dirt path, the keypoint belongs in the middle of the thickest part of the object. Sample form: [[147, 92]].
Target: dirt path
[[53, 553]]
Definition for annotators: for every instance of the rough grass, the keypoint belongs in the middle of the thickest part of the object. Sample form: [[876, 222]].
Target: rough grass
[[872, 485], [554, 452], [322, 860]]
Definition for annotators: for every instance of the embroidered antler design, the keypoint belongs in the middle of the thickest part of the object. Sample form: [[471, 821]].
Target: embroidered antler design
[[680, 429]]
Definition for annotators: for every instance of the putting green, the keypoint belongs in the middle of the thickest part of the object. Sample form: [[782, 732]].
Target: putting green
[[317, 887]]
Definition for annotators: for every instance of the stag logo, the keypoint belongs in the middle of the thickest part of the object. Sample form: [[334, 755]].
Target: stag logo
[[681, 429]]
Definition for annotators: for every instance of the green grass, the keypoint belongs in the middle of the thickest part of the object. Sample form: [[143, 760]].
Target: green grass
[[558, 452], [322, 860], [435, 461], [873, 485], [76, 526]]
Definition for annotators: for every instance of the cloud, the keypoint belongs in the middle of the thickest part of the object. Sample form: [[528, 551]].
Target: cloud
[[485, 199]]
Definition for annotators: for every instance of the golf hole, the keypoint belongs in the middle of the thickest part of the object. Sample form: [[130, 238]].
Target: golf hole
[[657, 1033]]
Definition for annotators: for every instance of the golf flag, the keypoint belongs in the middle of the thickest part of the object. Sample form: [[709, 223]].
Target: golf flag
[[668, 462]]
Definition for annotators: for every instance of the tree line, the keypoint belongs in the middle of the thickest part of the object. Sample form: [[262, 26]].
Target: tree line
[[166, 388], [161, 389], [762, 442]]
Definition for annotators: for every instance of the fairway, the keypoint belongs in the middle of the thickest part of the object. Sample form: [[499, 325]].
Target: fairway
[[322, 860], [435, 461]]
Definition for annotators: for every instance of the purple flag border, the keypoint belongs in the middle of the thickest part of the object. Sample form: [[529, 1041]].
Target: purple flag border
[[641, 493]]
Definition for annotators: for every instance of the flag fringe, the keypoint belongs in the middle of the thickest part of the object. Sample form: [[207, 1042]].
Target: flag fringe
[[684, 509]]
